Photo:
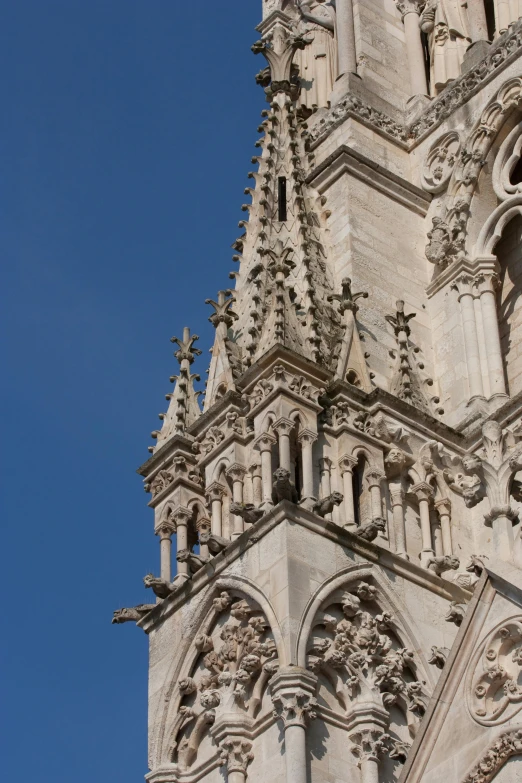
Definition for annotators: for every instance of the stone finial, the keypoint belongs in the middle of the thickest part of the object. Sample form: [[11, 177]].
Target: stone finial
[[186, 351], [223, 312], [278, 46], [347, 300]]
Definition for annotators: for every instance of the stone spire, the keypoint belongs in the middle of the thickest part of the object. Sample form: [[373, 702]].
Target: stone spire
[[183, 407], [280, 301]]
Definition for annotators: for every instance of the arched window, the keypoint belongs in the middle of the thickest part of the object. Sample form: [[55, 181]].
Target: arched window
[[509, 254]]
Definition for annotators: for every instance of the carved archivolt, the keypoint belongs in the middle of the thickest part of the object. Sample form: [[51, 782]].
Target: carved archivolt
[[440, 162], [233, 659], [449, 232], [507, 745], [494, 689]]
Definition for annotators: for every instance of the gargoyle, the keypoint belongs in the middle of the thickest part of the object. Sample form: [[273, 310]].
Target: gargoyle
[[216, 544], [283, 488], [132, 614], [195, 562], [444, 563], [438, 656], [160, 587], [247, 511], [370, 531], [326, 505]]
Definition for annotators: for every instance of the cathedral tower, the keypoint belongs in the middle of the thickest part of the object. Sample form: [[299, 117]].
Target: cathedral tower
[[344, 509]]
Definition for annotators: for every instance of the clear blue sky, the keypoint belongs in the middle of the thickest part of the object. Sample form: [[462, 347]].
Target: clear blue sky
[[126, 135]]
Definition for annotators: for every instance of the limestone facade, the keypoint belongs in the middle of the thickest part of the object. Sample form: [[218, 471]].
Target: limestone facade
[[339, 590]]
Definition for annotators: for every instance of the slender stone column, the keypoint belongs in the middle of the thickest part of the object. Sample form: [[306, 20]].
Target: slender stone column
[[307, 439], [437, 538], [345, 30], [257, 483], [284, 427], [203, 527], [264, 443], [165, 532], [325, 466], [236, 473], [424, 493], [346, 466], [215, 494], [236, 753], [373, 478], [478, 26], [443, 507], [399, 523], [417, 65], [482, 347], [293, 692], [486, 285], [471, 344], [181, 517]]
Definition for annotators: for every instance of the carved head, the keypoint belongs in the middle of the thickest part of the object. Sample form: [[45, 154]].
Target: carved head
[[336, 498], [121, 616], [282, 474], [470, 462], [452, 562]]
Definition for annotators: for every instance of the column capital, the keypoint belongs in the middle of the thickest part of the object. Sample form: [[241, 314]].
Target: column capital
[[255, 469], [215, 491], [176, 516], [422, 490], [236, 472], [408, 7], [236, 753], [347, 463], [463, 284], [325, 464], [203, 524], [165, 530], [486, 282], [443, 506], [307, 436], [373, 477], [293, 696], [265, 441], [283, 426]]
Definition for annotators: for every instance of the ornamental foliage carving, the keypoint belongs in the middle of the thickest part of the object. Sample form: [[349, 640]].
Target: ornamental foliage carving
[[495, 684], [234, 661], [356, 649], [507, 745], [440, 162]]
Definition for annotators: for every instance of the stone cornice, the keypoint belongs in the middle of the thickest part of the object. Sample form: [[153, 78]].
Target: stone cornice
[[346, 160], [501, 54], [286, 511], [462, 266]]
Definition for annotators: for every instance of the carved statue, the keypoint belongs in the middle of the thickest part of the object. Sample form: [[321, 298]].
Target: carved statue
[[446, 25], [283, 488], [445, 563], [317, 62], [370, 531], [195, 562], [326, 505], [438, 656], [216, 544], [247, 511], [132, 614]]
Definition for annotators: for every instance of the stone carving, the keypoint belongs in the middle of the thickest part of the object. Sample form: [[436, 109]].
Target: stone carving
[[439, 656], [223, 313], [261, 390], [440, 162], [446, 25], [247, 511], [161, 481], [317, 61], [195, 562], [448, 235], [216, 544], [213, 437], [406, 383], [501, 460], [236, 753], [326, 505], [444, 563], [356, 646], [132, 614], [294, 709], [234, 661], [283, 488], [371, 530], [495, 692], [279, 46], [505, 746], [456, 613], [160, 587]]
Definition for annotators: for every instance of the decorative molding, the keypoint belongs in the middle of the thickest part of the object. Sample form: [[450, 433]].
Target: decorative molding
[[505, 746]]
